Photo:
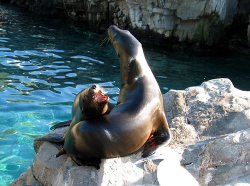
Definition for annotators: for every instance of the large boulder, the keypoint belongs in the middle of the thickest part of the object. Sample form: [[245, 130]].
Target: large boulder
[[210, 126], [214, 108], [211, 123]]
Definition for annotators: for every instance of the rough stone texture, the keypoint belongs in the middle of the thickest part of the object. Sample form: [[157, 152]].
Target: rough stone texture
[[220, 115], [183, 134], [223, 161], [210, 125], [130, 170], [213, 108], [198, 21], [25, 179]]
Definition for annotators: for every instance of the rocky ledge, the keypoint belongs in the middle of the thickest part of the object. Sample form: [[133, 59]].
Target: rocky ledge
[[210, 124]]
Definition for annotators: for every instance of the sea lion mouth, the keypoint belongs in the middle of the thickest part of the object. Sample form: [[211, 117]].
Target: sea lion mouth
[[102, 98]]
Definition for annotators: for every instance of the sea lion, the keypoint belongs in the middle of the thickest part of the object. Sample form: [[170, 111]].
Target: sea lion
[[137, 121], [88, 104]]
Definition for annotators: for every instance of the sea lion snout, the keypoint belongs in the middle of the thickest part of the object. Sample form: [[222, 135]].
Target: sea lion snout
[[111, 32]]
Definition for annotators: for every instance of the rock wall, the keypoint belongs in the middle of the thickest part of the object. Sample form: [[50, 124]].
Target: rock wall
[[196, 21], [210, 125]]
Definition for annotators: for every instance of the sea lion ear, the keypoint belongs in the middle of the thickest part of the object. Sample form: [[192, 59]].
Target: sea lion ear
[[132, 60], [82, 101]]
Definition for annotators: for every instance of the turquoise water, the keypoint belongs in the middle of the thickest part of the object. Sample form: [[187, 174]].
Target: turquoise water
[[45, 63]]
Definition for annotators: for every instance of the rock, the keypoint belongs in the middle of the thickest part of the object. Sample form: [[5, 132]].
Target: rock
[[49, 170], [130, 170], [183, 134], [217, 151], [170, 172], [214, 108], [25, 179], [193, 20], [222, 161], [210, 125]]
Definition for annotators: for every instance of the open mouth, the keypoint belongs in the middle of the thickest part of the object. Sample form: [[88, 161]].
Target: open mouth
[[102, 98]]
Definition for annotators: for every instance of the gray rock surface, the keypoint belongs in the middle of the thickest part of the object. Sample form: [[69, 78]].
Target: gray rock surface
[[210, 124], [214, 108], [131, 170], [222, 161], [215, 118]]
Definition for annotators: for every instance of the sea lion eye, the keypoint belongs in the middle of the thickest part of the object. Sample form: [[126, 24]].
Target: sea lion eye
[[93, 87]]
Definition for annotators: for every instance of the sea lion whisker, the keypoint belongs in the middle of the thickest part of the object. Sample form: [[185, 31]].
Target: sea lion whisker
[[104, 41], [108, 40]]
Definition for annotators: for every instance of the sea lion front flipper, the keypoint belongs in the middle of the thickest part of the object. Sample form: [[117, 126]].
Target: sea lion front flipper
[[61, 152], [61, 124], [54, 138]]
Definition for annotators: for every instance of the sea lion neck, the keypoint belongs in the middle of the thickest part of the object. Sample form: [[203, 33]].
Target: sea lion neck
[[130, 51]]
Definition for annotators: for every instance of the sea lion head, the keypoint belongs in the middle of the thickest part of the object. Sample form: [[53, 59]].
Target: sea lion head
[[93, 102], [124, 42]]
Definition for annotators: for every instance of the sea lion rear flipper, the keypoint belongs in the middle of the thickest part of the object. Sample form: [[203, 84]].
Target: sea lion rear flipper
[[54, 138], [160, 137], [61, 124]]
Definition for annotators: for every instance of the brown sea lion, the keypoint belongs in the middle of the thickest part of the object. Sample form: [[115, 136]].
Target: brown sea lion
[[137, 121], [88, 104]]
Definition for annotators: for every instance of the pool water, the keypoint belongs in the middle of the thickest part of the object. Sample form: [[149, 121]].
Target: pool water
[[44, 63]]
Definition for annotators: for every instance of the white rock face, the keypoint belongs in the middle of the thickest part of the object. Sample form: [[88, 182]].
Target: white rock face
[[210, 125], [196, 20], [170, 172]]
